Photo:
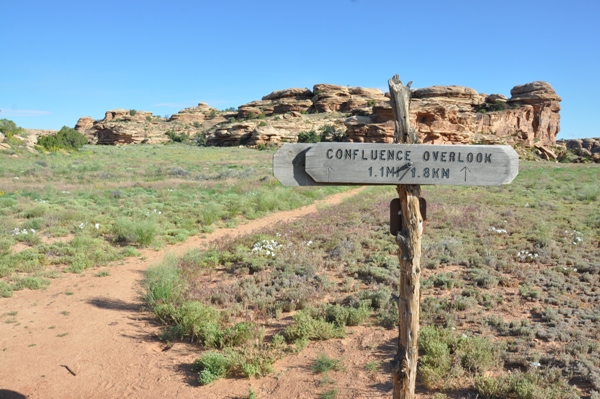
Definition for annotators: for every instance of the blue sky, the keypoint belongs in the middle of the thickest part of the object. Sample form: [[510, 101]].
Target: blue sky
[[65, 59]]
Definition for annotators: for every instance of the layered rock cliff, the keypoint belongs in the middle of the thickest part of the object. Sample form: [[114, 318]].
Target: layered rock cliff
[[121, 126], [440, 114], [456, 114]]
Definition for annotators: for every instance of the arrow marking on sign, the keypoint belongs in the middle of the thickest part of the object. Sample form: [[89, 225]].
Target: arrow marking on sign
[[466, 170]]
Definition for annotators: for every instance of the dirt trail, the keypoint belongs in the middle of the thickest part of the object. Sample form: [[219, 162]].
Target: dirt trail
[[88, 337]]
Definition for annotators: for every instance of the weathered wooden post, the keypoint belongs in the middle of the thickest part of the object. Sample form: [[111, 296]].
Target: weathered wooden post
[[404, 370]]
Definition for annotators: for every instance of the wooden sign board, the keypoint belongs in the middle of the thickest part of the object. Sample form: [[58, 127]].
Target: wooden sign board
[[376, 164], [289, 163]]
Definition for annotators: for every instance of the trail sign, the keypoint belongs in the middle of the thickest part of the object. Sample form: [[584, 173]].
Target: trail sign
[[406, 165], [462, 165], [289, 163]]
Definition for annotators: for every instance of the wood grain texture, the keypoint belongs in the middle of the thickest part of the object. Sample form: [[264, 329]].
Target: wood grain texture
[[400, 100], [404, 372], [376, 164], [289, 165]]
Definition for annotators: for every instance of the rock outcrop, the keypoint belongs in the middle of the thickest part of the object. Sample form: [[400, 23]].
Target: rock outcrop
[[440, 115], [197, 114], [584, 148], [460, 115], [280, 129], [121, 126]]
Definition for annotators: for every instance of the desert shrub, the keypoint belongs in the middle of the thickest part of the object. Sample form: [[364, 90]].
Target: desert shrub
[[329, 133], [446, 356], [210, 367], [347, 316], [309, 137], [309, 328], [10, 128], [6, 290], [257, 358], [122, 231], [209, 214], [164, 289], [36, 211], [66, 139], [200, 139], [324, 364], [126, 231], [31, 282], [200, 322], [533, 384], [132, 112], [144, 232], [177, 137]]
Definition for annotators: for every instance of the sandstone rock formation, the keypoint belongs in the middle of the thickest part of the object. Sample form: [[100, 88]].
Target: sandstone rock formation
[[199, 113], [121, 126], [584, 148], [459, 115], [280, 129], [440, 114]]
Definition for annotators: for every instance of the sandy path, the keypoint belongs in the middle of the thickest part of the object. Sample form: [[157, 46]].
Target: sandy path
[[88, 337]]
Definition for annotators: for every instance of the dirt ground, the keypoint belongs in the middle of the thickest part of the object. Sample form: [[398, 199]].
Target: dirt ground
[[90, 337]]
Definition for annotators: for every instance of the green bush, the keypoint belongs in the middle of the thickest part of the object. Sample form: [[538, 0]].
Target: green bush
[[200, 322], [309, 137], [66, 139], [9, 128], [447, 356], [6, 290], [309, 328], [32, 283], [346, 316], [211, 366], [177, 137], [324, 364], [126, 231], [164, 287], [533, 384]]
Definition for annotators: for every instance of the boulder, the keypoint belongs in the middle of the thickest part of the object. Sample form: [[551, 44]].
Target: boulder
[[255, 108], [495, 98], [197, 114], [289, 93], [84, 123], [533, 93], [456, 94]]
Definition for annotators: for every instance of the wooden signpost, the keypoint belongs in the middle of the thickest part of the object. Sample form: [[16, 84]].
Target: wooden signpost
[[384, 164], [407, 164]]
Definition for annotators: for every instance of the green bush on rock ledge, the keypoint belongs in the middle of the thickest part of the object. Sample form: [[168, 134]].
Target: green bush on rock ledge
[[66, 139]]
